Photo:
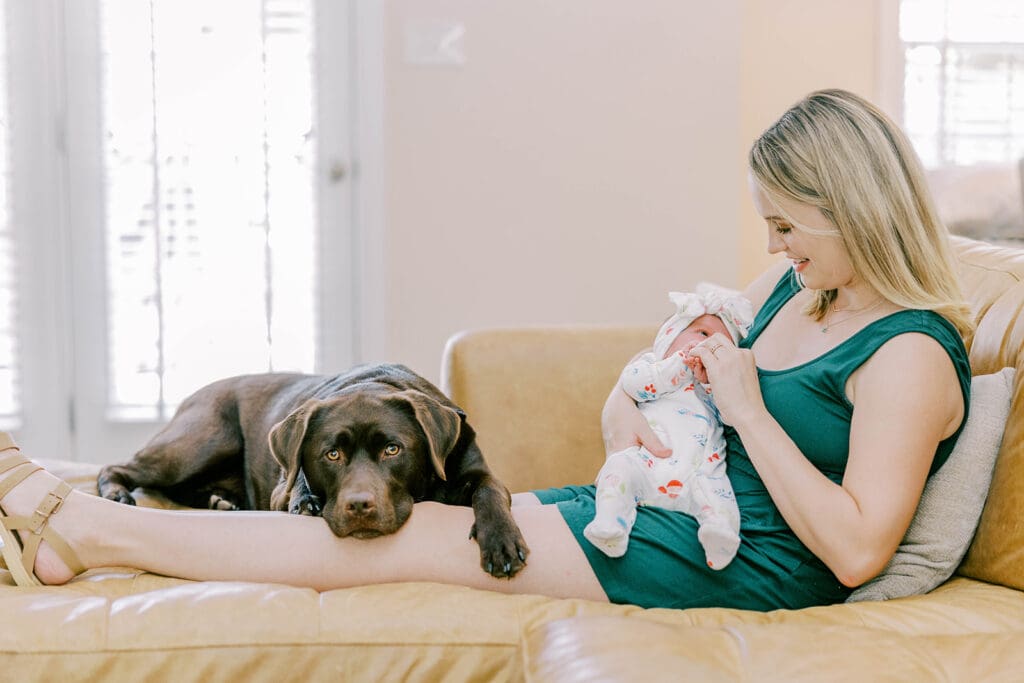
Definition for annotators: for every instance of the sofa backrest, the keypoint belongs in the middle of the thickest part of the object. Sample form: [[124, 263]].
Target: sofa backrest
[[993, 281], [534, 397]]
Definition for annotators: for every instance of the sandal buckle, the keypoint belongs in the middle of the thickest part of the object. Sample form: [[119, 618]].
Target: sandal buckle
[[47, 507]]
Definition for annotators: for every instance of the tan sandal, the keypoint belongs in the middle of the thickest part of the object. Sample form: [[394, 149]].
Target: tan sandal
[[20, 556]]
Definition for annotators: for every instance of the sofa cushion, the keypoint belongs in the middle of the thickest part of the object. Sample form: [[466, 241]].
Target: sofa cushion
[[952, 500], [618, 648]]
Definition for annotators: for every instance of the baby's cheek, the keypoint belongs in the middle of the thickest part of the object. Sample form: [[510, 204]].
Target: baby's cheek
[[676, 347], [684, 347]]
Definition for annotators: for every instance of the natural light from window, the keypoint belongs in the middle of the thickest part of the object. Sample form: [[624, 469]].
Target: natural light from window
[[964, 80], [209, 157]]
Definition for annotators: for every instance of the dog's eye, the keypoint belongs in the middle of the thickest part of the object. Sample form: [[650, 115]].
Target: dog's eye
[[392, 449], [332, 455]]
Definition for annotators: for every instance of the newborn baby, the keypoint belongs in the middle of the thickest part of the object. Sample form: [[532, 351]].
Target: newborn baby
[[670, 389]]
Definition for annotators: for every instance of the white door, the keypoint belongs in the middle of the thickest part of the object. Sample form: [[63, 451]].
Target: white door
[[181, 207]]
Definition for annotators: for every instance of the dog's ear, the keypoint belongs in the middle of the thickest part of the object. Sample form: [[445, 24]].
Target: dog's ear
[[285, 440], [441, 424]]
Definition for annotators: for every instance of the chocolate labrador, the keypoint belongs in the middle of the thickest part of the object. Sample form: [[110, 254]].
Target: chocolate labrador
[[358, 449]]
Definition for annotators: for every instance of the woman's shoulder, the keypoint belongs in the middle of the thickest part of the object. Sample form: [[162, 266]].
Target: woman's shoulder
[[928, 325], [917, 341]]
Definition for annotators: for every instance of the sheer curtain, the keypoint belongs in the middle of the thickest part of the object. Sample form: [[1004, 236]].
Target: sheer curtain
[[964, 80], [209, 159]]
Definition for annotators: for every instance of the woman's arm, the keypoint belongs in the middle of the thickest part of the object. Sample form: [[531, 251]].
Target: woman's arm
[[906, 399]]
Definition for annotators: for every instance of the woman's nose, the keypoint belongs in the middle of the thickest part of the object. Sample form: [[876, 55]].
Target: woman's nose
[[775, 242]]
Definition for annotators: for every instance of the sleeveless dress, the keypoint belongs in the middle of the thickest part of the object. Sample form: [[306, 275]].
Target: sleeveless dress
[[664, 565]]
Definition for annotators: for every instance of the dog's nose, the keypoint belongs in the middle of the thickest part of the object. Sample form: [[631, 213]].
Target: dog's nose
[[360, 504]]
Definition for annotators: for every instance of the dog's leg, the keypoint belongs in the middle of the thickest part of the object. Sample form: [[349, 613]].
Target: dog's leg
[[115, 482], [224, 493], [195, 451], [303, 501], [503, 550]]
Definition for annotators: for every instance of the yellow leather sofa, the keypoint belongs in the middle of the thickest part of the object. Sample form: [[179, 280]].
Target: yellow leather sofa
[[534, 396]]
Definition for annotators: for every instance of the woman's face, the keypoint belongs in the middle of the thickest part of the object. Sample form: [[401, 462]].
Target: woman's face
[[821, 260]]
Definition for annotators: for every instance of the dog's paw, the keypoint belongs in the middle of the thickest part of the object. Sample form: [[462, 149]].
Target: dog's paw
[[503, 551], [219, 503], [119, 494], [305, 505]]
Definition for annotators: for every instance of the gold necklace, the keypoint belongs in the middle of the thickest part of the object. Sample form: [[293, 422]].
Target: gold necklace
[[832, 309]]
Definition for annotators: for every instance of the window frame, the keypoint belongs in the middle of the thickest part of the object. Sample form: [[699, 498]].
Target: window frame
[[891, 65], [62, 314]]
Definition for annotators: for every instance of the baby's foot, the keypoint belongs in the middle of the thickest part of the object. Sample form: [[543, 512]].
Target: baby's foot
[[23, 500], [720, 544], [609, 536]]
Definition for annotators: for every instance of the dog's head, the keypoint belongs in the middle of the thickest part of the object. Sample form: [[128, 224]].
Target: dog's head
[[368, 453]]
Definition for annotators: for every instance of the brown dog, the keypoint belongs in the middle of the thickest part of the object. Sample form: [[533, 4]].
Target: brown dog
[[358, 449]]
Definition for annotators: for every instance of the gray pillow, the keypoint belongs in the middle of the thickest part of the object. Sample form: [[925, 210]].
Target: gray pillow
[[951, 503]]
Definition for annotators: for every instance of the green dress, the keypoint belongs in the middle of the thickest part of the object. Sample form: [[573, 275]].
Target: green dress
[[664, 565]]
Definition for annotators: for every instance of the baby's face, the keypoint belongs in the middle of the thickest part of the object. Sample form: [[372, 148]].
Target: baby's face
[[696, 332]]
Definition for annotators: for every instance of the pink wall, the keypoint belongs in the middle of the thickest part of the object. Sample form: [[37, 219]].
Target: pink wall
[[587, 157]]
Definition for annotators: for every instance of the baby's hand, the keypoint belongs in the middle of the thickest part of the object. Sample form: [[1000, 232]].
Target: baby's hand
[[694, 363], [671, 370]]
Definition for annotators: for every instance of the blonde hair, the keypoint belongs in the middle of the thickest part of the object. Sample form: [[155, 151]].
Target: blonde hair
[[838, 152]]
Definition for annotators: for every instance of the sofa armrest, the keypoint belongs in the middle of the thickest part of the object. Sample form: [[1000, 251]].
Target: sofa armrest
[[534, 397]]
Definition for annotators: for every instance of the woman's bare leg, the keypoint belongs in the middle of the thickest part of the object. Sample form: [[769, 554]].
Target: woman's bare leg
[[301, 551], [525, 498]]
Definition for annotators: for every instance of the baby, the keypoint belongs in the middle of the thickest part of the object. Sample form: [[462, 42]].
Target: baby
[[668, 387]]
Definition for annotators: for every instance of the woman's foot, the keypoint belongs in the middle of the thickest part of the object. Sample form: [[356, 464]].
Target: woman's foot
[[39, 492]]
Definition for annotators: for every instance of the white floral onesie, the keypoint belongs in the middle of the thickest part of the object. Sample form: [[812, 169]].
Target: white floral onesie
[[693, 479]]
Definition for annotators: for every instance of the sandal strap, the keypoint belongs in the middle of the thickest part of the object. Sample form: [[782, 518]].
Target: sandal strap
[[12, 462], [48, 506], [6, 441], [63, 550], [37, 523]]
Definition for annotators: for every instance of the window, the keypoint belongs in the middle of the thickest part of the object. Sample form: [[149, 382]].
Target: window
[[209, 158], [963, 96], [180, 207]]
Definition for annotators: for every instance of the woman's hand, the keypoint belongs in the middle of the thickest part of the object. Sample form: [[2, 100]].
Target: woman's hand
[[732, 374], [623, 426]]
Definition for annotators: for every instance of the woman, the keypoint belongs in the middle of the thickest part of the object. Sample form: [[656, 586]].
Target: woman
[[827, 461]]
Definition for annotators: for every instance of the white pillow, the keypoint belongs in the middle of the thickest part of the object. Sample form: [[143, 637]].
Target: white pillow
[[951, 503]]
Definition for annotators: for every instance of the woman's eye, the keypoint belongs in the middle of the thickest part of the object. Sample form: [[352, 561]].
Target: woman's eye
[[782, 229], [392, 449], [332, 455]]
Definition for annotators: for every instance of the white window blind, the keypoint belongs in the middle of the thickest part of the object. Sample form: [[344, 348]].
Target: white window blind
[[964, 80], [9, 400], [209, 159]]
